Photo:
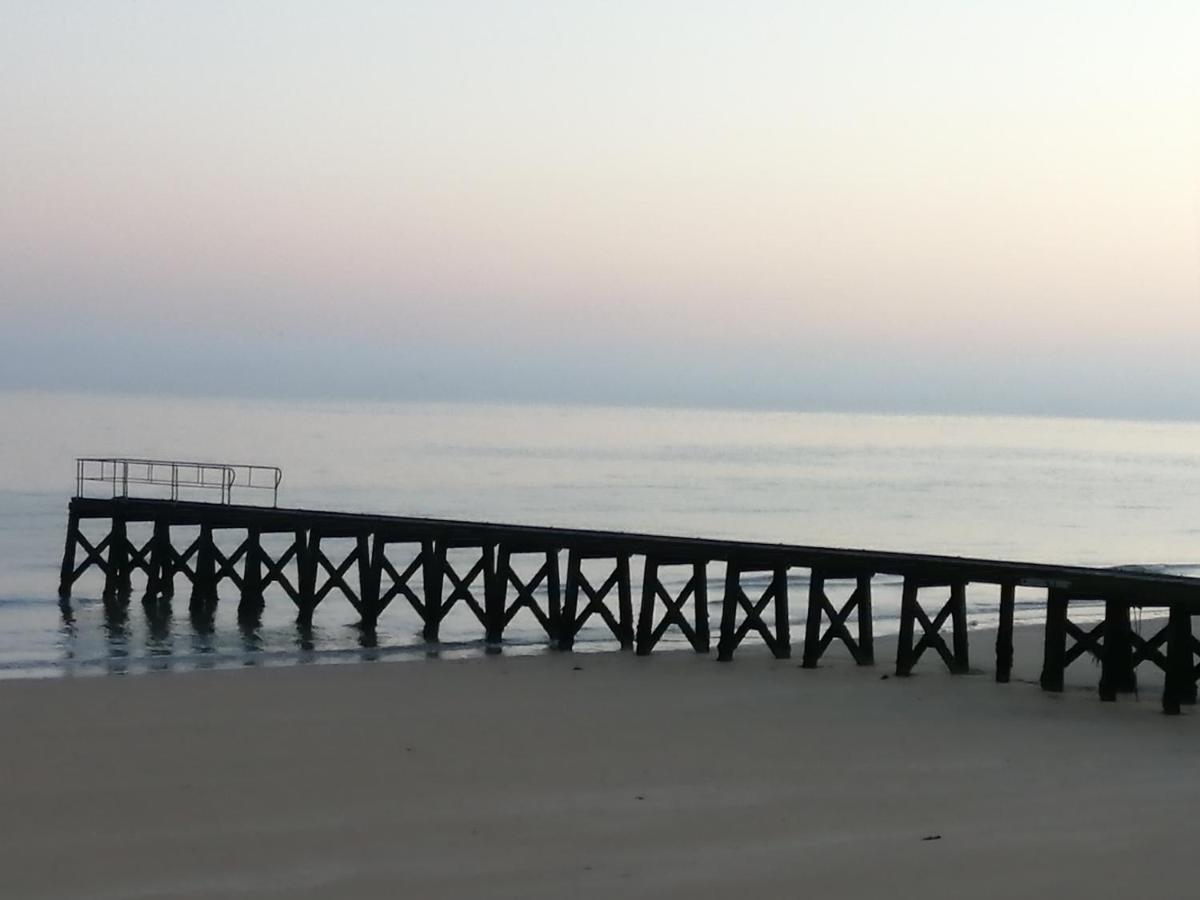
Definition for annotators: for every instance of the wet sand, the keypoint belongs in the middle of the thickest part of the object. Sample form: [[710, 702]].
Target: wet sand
[[595, 775]]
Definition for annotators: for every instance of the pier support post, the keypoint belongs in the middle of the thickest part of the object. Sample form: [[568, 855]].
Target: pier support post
[[160, 580], [116, 581], [1117, 675], [625, 601], [1054, 660], [433, 557], [1004, 633], [370, 575], [570, 623], [1179, 678], [904, 644], [1179, 682], [67, 577], [306, 576], [495, 593], [958, 621], [250, 604], [204, 585], [866, 623]]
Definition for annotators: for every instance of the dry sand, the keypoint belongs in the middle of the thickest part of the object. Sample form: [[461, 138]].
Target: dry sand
[[671, 776]]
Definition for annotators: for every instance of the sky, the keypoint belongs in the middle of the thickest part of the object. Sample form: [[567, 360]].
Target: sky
[[919, 206]]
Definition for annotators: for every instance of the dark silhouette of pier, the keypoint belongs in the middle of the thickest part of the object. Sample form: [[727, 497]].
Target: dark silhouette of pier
[[399, 557]]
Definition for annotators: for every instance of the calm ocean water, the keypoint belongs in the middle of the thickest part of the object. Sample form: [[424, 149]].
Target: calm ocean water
[[1070, 491]]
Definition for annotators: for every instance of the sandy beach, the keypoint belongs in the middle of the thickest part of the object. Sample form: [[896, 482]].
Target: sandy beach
[[594, 775]]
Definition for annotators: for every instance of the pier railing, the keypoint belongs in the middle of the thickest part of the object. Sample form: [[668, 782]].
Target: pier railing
[[122, 475]]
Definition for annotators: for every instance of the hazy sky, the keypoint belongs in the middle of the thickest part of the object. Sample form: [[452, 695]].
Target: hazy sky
[[969, 205]]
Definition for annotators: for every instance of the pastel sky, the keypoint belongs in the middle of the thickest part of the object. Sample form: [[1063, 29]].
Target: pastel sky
[[965, 206]]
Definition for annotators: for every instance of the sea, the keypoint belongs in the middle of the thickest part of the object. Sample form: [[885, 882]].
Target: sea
[[1071, 491]]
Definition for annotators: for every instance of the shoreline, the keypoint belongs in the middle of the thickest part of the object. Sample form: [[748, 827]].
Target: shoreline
[[591, 774], [137, 646]]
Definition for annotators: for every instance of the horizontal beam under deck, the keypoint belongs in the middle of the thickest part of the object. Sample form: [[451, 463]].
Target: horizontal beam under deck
[[1139, 589]]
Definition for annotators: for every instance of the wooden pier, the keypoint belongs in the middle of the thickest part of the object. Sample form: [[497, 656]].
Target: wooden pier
[[386, 558]]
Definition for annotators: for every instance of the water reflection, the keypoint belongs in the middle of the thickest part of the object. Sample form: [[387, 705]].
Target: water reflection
[[305, 636], [116, 634], [368, 640], [93, 637], [160, 646], [249, 627]]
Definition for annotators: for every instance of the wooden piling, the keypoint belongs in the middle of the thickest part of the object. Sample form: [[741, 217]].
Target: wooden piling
[[958, 621], [866, 629], [307, 547], [250, 603], [1179, 674], [700, 601], [1055, 655], [1004, 633], [624, 601], [813, 619], [433, 555], [495, 596], [204, 585], [783, 626], [570, 609], [729, 604], [908, 617], [1117, 675], [116, 581], [160, 580], [370, 573], [67, 577], [646, 610]]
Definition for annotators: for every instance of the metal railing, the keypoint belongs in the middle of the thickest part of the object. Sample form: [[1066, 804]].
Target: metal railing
[[122, 473]]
